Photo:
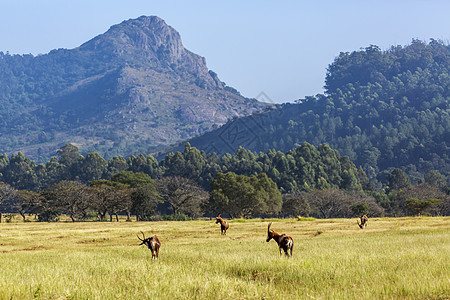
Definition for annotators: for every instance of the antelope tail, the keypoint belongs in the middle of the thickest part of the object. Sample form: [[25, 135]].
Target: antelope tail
[[289, 244]]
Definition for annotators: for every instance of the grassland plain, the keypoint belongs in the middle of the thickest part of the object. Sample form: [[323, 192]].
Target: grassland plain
[[404, 258]]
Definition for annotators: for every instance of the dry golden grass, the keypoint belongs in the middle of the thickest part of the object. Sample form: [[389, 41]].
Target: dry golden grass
[[406, 258]]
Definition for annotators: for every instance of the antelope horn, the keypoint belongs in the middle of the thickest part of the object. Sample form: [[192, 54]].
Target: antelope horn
[[268, 228], [142, 235], [219, 215]]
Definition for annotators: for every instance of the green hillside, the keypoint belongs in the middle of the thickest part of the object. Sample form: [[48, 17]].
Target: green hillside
[[383, 109]]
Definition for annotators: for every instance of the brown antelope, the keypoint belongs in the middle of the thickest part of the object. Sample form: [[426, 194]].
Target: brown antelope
[[223, 224], [364, 219], [284, 242], [153, 243]]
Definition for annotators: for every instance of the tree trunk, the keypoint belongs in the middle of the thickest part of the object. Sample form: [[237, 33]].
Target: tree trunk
[[117, 217]]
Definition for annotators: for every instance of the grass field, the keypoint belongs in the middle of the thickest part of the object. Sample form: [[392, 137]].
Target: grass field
[[406, 258]]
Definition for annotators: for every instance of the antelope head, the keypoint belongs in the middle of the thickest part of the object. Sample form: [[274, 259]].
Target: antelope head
[[218, 218]]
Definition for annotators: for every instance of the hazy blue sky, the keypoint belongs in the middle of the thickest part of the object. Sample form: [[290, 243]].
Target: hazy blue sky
[[281, 48]]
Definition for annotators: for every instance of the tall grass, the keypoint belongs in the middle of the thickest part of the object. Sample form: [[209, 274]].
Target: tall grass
[[406, 258]]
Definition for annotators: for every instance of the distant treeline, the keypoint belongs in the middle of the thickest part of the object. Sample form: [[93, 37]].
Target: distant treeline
[[303, 181]]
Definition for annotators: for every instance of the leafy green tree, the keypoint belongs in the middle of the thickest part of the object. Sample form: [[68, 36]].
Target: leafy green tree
[[70, 159], [20, 173], [244, 196], [360, 208], [116, 165], [68, 154], [93, 167], [420, 206], [435, 178], [398, 180], [54, 171]]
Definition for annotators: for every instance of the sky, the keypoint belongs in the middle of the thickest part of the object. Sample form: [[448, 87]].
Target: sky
[[277, 51]]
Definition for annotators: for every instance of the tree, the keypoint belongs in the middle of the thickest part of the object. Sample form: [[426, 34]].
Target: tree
[[183, 195], [419, 206], [244, 196], [144, 196], [329, 203], [7, 193], [295, 205], [423, 192], [436, 179], [20, 173], [92, 167], [398, 180], [360, 208], [68, 154], [110, 197], [25, 202], [69, 197]]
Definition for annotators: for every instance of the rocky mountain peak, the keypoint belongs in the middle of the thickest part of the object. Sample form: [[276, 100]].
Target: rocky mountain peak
[[149, 42]]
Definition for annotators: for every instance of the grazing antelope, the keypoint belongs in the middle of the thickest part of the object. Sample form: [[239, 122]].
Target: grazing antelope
[[284, 242], [153, 243], [223, 224], [364, 219]]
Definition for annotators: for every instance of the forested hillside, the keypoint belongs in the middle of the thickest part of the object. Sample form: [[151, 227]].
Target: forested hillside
[[129, 90], [383, 109]]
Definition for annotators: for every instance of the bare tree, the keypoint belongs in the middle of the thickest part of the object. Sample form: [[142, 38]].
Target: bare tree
[[183, 195], [333, 203], [25, 202], [295, 205], [70, 197], [110, 197], [7, 194], [329, 203]]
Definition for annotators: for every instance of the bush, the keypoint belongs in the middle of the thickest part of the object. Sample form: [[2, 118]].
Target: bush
[[176, 217]]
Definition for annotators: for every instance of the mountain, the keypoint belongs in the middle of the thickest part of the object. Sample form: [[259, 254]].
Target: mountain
[[382, 109], [130, 90]]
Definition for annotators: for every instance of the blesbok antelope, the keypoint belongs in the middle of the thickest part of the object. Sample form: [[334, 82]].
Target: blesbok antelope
[[153, 243], [364, 219], [284, 241], [223, 224]]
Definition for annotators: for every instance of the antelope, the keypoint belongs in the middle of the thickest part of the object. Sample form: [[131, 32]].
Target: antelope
[[153, 243], [364, 219], [284, 241], [223, 224]]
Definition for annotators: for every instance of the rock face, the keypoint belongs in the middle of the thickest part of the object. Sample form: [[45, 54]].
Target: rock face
[[132, 89], [149, 41]]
